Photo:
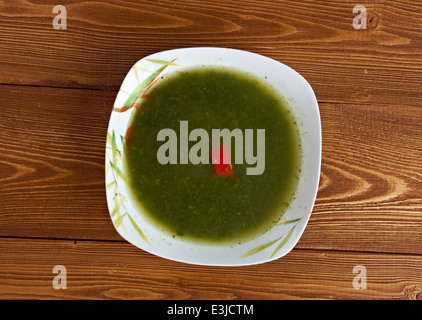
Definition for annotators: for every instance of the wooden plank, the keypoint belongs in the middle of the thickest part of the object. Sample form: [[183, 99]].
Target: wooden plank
[[52, 144], [107, 270], [52, 156], [370, 191], [104, 39]]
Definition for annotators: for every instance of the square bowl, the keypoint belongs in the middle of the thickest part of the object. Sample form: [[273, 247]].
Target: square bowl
[[128, 218]]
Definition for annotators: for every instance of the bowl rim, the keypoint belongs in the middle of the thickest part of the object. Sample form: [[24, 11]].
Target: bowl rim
[[137, 236]]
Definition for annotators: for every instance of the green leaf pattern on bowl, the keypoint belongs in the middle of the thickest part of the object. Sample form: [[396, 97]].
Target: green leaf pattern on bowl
[[115, 161]]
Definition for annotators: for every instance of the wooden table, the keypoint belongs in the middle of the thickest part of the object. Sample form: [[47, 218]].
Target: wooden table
[[56, 94]]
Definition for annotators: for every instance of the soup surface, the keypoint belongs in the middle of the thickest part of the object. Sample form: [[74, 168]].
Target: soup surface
[[191, 200]]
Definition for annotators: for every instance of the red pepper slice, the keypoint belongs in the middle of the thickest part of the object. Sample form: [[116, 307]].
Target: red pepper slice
[[221, 161]]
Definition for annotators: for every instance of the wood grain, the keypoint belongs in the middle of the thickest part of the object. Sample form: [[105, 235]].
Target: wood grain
[[57, 88], [370, 190], [104, 39], [52, 162], [106, 270], [52, 146]]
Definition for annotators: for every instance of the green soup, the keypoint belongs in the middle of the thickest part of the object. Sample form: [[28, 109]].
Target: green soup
[[190, 200]]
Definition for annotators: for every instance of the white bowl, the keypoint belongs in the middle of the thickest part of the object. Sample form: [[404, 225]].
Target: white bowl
[[133, 226]]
